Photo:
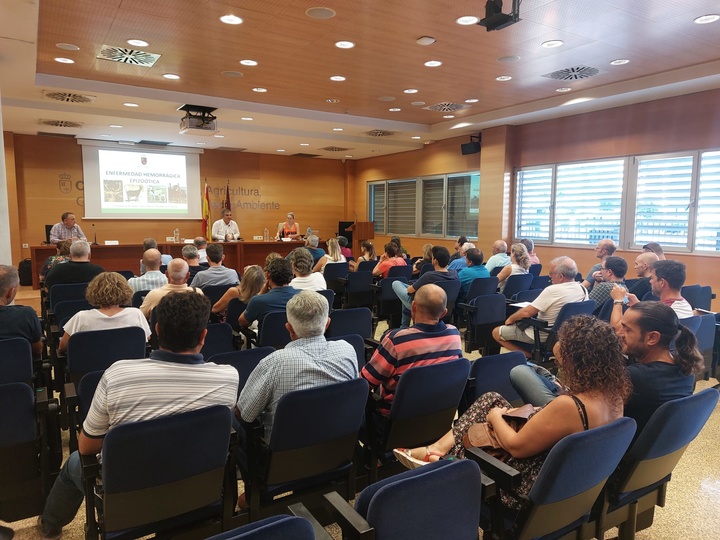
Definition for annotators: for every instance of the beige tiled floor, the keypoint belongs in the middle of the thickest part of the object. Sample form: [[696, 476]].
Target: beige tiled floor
[[693, 496]]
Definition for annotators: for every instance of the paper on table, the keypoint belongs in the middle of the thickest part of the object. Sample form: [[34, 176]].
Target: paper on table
[[521, 304]]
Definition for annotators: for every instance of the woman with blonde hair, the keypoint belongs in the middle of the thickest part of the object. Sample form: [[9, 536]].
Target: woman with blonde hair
[[519, 264], [333, 256], [251, 284], [108, 291], [426, 258]]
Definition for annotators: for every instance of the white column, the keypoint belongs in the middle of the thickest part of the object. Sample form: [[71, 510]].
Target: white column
[[5, 251]]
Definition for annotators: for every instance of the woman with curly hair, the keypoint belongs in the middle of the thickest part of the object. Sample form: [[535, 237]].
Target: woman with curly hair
[[252, 282], [592, 366], [519, 264], [108, 291]]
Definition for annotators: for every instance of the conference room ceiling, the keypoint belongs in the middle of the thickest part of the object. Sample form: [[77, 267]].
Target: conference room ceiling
[[302, 109]]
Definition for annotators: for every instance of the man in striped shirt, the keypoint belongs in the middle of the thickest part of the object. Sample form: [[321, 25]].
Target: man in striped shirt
[[175, 379], [428, 341]]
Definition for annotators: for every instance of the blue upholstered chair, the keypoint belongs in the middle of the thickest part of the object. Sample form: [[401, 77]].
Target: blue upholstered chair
[[439, 500], [350, 321], [16, 362], [515, 284], [484, 313], [280, 527], [570, 481], [244, 361], [386, 304], [219, 339], [162, 474], [491, 374], [358, 290]]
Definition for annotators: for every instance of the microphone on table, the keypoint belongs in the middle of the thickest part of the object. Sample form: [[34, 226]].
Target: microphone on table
[[95, 242]]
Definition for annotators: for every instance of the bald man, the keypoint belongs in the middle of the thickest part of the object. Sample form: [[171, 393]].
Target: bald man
[[428, 341], [177, 275], [643, 265], [499, 257], [153, 278]]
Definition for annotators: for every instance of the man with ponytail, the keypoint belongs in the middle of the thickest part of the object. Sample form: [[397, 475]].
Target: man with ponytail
[[666, 358]]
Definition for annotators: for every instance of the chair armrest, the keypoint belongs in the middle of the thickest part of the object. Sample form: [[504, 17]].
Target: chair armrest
[[470, 308], [353, 525], [375, 286], [504, 475], [343, 281], [537, 323], [42, 400], [90, 473], [251, 336], [299, 510], [372, 343]]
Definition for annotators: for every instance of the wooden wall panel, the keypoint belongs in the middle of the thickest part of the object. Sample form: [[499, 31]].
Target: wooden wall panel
[[16, 253]]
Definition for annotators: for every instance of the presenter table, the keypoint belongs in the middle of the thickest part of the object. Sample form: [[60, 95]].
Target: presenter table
[[127, 256]]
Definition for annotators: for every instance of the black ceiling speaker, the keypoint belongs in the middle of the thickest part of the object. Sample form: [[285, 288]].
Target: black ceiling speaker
[[473, 147]]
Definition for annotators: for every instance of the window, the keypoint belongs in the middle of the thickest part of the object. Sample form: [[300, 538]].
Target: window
[[672, 199], [442, 206]]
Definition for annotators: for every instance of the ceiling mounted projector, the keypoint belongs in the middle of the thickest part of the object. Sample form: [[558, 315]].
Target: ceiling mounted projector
[[495, 19], [198, 120]]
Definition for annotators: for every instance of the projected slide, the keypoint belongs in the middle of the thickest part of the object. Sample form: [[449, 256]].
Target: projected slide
[[142, 182]]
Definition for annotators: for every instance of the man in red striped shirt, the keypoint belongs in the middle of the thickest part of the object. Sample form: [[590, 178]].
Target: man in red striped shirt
[[428, 341]]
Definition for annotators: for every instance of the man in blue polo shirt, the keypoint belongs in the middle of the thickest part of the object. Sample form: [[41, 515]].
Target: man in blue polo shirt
[[474, 270], [274, 296]]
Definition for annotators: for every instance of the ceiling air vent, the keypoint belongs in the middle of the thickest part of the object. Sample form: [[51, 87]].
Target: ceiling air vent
[[230, 149], [155, 143], [379, 133], [62, 123], [303, 154], [447, 107], [69, 97], [60, 135], [127, 56], [573, 73], [334, 149]]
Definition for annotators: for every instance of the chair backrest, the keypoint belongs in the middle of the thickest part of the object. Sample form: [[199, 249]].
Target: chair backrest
[[334, 271], [138, 298], [99, 349], [490, 309], [234, 310], [358, 281], [67, 308], [215, 292], [495, 271], [358, 343], [572, 309], [515, 284], [273, 332], [16, 362], [535, 269], [366, 266], [350, 321], [692, 323], [446, 501], [244, 361], [425, 403], [540, 282], [86, 391], [302, 449], [567, 476], [698, 296], [452, 290], [185, 453], [482, 286], [280, 527], [66, 291], [527, 296], [400, 271], [663, 440], [127, 274], [492, 374], [705, 333], [386, 290], [17, 417], [329, 295], [427, 267], [650, 297], [219, 339], [606, 310]]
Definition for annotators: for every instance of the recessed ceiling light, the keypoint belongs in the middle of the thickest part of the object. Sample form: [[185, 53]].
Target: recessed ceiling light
[[344, 44], [67, 47], [461, 125], [338, 78], [231, 19], [321, 13], [104, 135], [418, 103], [425, 40], [65, 60], [304, 144], [348, 156], [551, 44], [620, 62], [503, 78], [232, 73], [706, 19], [259, 89], [332, 100], [129, 104], [472, 100], [563, 89], [410, 90], [171, 76], [247, 118], [449, 116], [248, 62], [433, 63], [219, 136], [115, 126], [280, 149], [394, 109], [201, 143], [467, 20], [137, 43], [386, 98], [337, 129], [416, 137], [508, 59]]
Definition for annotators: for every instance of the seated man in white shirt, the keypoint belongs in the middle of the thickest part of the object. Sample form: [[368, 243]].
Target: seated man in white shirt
[[225, 229]]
